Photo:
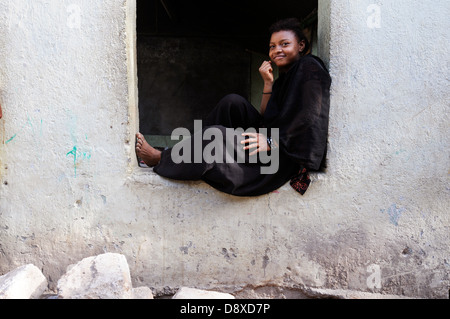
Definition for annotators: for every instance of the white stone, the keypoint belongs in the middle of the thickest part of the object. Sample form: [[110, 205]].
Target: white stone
[[142, 293], [26, 282], [192, 293], [104, 276]]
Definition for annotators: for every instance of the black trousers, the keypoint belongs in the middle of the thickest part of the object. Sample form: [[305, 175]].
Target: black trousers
[[241, 176], [234, 111]]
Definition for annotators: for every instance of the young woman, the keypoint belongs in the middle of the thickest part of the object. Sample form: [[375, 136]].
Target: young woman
[[295, 107]]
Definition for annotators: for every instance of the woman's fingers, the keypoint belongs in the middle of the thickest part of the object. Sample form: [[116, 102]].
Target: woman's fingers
[[253, 137], [255, 145], [266, 64], [249, 140], [254, 152], [266, 67], [254, 142]]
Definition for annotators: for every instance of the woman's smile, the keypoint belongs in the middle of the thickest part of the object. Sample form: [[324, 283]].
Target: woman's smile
[[279, 57]]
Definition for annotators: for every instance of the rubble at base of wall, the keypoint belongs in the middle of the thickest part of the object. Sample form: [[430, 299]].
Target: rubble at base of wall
[[107, 276]]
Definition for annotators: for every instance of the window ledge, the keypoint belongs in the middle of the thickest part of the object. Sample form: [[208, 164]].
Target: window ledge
[[146, 176]]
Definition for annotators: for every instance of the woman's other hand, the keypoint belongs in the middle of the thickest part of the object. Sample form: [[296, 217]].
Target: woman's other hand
[[255, 140]]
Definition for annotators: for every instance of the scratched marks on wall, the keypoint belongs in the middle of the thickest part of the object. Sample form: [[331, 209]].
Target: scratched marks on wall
[[37, 134], [23, 142], [394, 212], [32, 127]]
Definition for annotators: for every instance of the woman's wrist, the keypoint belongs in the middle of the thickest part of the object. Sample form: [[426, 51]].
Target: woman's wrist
[[268, 85], [272, 145], [267, 88]]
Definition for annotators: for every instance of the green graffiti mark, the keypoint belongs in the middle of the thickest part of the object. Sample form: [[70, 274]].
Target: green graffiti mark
[[10, 140], [78, 155], [28, 125], [73, 152]]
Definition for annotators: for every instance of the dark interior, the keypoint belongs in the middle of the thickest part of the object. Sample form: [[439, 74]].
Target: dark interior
[[241, 22]]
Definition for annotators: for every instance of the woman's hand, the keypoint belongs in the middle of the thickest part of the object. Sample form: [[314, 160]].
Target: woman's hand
[[255, 140], [266, 72]]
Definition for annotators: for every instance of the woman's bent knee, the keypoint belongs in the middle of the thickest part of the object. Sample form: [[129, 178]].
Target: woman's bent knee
[[233, 100]]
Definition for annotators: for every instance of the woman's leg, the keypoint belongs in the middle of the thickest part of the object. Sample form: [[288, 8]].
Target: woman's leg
[[234, 111]]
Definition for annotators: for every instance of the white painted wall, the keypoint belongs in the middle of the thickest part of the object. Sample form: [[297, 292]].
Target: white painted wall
[[70, 187], [65, 136]]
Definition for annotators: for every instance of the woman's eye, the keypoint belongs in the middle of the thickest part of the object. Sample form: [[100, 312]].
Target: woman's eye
[[285, 44]]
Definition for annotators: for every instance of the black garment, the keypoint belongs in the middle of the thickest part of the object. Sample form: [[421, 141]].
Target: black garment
[[298, 107]]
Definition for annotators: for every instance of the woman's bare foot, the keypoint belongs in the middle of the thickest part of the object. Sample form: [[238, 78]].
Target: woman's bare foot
[[144, 151]]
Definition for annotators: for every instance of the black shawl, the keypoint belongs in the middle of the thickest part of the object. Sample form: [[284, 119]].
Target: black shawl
[[299, 107]]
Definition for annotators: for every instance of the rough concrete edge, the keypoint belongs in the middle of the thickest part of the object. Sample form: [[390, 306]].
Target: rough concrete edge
[[317, 293], [322, 293]]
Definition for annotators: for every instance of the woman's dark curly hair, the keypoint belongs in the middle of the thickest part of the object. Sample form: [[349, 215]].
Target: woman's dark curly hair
[[291, 24]]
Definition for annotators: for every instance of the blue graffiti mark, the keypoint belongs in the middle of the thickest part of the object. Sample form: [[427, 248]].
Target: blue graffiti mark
[[394, 213]]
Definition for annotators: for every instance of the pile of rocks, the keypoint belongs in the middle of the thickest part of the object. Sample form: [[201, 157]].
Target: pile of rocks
[[105, 276]]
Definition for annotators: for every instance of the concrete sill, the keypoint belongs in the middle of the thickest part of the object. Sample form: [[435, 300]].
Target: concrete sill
[[146, 176]]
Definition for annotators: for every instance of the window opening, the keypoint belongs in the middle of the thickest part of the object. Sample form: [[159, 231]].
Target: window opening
[[190, 54]]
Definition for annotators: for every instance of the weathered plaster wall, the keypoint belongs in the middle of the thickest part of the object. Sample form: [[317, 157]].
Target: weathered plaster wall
[[65, 137], [389, 143], [70, 187]]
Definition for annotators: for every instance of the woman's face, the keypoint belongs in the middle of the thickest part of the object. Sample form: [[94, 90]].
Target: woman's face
[[285, 49]]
